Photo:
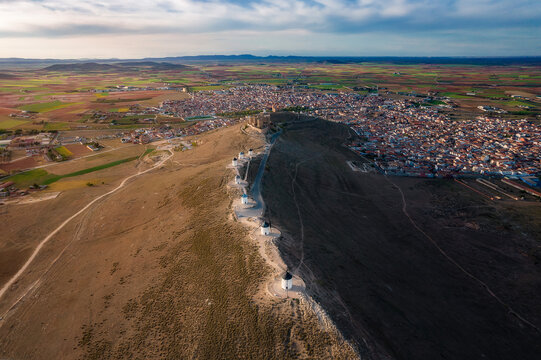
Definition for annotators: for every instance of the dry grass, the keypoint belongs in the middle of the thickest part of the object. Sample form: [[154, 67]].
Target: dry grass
[[203, 305], [156, 271]]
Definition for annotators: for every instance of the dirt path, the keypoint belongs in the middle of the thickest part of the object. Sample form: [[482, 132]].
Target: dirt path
[[38, 248], [454, 262], [293, 183], [251, 216]]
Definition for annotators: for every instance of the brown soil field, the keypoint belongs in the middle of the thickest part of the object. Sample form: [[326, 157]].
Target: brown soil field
[[78, 149], [409, 280], [157, 270], [21, 164], [31, 87], [4, 112], [169, 95]]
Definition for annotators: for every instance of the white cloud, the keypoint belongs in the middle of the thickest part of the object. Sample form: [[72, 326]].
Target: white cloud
[[62, 20]]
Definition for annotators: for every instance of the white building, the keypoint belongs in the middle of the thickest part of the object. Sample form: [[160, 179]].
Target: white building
[[265, 228], [251, 152], [287, 281], [234, 162], [244, 199], [237, 179], [241, 155]]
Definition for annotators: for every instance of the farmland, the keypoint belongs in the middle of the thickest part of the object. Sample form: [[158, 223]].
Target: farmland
[[63, 99], [31, 177], [42, 177], [161, 268], [63, 151], [8, 124], [45, 107]]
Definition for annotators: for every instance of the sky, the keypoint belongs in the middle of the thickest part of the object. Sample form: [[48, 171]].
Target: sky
[[157, 28]]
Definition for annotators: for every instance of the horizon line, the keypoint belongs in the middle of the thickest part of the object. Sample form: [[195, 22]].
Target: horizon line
[[285, 56]]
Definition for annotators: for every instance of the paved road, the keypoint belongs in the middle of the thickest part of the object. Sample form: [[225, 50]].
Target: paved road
[[256, 186]]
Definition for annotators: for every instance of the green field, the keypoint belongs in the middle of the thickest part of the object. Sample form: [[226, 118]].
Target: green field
[[176, 81], [202, 117], [64, 152], [42, 177], [28, 178], [456, 95], [56, 126], [45, 107], [519, 102], [207, 88], [8, 124], [327, 87], [130, 126], [435, 102]]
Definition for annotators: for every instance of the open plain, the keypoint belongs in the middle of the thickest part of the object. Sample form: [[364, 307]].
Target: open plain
[[90, 95]]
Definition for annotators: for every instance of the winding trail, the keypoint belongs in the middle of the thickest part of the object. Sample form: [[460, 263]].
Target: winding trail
[[256, 186], [293, 183], [36, 251], [251, 216]]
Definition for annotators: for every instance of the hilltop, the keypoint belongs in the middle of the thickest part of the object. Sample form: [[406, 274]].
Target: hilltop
[[157, 270]]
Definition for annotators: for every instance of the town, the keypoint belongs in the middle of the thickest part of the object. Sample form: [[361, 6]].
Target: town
[[403, 136]]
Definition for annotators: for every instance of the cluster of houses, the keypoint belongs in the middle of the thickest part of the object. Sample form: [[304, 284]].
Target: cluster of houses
[[148, 135], [243, 99], [125, 88], [404, 137], [487, 108], [417, 141], [8, 189], [30, 143]]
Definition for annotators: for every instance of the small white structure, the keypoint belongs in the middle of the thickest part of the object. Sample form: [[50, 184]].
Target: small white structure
[[234, 162], [265, 228], [237, 179], [241, 155], [287, 281], [251, 152], [244, 199]]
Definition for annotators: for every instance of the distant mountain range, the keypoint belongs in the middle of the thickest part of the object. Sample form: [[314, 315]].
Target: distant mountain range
[[123, 66], [169, 62], [529, 60], [6, 76]]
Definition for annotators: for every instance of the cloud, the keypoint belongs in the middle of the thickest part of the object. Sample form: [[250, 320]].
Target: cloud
[[58, 19]]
